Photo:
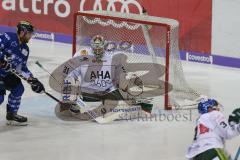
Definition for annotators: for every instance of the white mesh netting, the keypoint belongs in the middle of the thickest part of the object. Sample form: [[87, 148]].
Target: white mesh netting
[[147, 42]]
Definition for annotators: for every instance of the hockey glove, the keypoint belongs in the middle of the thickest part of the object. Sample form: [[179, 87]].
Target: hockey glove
[[36, 85], [234, 118], [5, 65]]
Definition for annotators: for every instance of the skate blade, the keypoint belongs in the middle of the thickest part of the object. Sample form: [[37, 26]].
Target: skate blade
[[14, 123]]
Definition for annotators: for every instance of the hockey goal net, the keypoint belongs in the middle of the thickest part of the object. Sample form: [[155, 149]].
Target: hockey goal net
[[151, 46]]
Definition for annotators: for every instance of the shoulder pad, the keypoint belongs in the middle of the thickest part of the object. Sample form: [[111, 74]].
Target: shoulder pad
[[85, 51]]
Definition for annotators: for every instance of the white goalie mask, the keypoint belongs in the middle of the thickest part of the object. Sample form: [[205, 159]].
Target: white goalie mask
[[97, 44]]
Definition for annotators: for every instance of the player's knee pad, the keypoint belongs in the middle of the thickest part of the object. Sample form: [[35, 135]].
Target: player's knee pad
[[1, 99], [18, 90]]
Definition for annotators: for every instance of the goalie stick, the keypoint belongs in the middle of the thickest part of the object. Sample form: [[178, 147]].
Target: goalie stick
[[83, 106]]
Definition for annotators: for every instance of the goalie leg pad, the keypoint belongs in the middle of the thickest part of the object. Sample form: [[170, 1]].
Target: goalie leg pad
[[127, 108], [114, 95], [147, 107], [63, 113]]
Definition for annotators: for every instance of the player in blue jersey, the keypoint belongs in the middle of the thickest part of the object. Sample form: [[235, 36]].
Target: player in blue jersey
[[14, 54]]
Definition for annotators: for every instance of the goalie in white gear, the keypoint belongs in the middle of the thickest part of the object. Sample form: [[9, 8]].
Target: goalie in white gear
[[102, 76], [211, 132]]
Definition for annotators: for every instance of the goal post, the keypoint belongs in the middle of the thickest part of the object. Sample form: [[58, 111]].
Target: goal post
[[150, 43]]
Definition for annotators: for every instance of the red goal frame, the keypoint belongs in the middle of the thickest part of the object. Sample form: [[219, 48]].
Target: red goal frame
[[168, 41]]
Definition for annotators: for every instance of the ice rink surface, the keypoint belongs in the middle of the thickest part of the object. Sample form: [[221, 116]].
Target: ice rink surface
[[49, 138]]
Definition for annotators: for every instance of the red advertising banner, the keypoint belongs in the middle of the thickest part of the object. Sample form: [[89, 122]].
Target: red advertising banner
[[195, 17]]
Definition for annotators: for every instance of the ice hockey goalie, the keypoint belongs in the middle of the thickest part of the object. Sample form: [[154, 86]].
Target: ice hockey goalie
[[101, 77]]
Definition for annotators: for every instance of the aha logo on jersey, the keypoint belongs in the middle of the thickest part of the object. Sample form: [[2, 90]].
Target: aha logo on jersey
[[100, 79], [99, 74]]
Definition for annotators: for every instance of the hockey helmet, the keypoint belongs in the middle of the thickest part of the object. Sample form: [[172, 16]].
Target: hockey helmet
[[204, 105], [25, 26], [97, 44]]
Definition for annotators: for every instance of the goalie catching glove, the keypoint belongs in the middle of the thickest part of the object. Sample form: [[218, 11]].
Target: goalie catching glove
[[134, 82], [36, 85]]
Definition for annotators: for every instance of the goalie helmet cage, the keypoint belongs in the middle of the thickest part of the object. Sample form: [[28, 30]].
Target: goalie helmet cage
[[145, 40]]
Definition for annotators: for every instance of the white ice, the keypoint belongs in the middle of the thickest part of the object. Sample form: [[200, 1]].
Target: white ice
[[49, 138]]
